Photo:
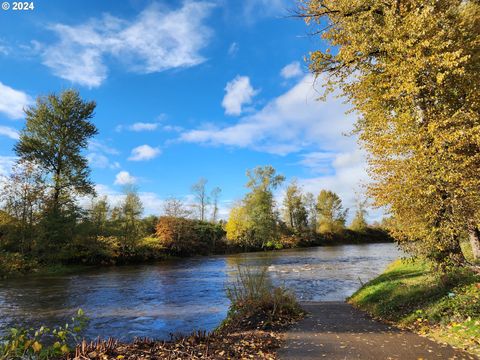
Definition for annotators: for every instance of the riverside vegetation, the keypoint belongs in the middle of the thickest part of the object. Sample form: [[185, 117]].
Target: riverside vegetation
[[411, 294], [51, 216]]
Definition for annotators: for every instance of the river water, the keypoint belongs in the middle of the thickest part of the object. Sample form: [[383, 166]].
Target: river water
[[179, 296]]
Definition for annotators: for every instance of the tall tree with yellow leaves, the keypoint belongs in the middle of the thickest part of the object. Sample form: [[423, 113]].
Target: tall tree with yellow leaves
[[411, 70]]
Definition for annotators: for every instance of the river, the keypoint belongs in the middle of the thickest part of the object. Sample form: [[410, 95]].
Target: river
[[179, 296]]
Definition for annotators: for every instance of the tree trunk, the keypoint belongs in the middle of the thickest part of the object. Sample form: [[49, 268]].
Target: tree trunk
[[474, 236]]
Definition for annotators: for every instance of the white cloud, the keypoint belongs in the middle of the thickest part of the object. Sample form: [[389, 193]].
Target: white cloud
[[318, 162], [291, 70], [6, 164], [12, 102], [142, 126], [297, 122], [157, 39], [101, 161], [172, 128], [98, 146], [347, 179], [233, 49], [97, 156], [238, 93], [289, 123], [9, 132], [124, 178], [144, 152]]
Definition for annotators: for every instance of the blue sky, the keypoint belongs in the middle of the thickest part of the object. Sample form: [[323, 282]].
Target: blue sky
[[184, 90]]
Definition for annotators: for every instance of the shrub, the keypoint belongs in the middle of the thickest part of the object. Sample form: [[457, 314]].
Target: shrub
[[256, 303], [92, 250], [185, 237], [150, 248], [42, 343], [15, 263]]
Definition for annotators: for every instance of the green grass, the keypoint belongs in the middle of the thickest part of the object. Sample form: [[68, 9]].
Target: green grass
[[413, 295]]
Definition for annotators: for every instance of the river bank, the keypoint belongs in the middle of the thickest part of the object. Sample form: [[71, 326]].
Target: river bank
[[148, 251], [412, 295]]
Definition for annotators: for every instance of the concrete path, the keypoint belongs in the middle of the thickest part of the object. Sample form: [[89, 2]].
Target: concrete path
[[336, 330]]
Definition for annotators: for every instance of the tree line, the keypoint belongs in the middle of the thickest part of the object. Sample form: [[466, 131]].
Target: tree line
[[42, 216], [300, 219]]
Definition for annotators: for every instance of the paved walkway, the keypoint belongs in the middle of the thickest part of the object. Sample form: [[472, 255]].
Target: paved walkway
[[336, 330]]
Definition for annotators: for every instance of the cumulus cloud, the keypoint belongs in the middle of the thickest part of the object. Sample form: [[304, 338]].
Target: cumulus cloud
[[124, 178], [12, 102], [238, 92], [9, 132], [157, 39], [291, 70], [289, 123], [144, 152]]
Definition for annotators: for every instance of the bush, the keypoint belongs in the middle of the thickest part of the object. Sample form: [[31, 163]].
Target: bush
[[256, 303], [42, 343], [15, 263], [92, 250], [185, 237]]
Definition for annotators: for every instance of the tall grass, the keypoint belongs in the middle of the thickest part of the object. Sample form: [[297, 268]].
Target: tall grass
[[255, 302]]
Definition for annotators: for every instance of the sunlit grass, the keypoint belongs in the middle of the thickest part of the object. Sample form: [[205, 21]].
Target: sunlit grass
[[412, 294]]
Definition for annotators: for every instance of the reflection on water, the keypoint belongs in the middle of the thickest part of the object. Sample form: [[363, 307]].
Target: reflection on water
[[182, 295]]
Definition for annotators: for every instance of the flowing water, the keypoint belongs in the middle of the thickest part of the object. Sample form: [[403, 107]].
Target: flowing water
[[182, 295]]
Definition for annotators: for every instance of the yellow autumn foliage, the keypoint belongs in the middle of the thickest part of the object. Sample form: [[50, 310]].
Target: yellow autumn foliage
[[411, 70]]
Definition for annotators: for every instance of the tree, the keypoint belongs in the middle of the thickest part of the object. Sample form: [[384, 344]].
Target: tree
[[174, 207], [56, 132], [150, 224], [259, 204], [410, 69], [57, 129], [331, 215], [202, 200], [254, 222], [215, 196], [239, 227], [22, 194], [294, 210], [98, 216], [131, 210], [312, 212], [359, 223]]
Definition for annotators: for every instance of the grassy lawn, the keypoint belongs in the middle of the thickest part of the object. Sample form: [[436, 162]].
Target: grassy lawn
[[411, 294]]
